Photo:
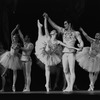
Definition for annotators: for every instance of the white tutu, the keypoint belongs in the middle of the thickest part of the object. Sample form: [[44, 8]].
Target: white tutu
[[51, 57], [89, 62], [10, 61]]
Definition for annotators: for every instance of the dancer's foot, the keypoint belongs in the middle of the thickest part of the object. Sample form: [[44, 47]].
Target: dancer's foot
[[13, 88], [47, 88], [2, 90], [26, 90], [68, 89], [39, 24], [91, 88]]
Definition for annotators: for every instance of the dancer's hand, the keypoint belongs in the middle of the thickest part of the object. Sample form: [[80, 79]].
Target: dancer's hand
[[81, 29], [78, 45], [78, 49], [45, 15], [39, 24]]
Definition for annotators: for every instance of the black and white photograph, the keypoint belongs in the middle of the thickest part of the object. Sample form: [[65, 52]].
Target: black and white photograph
[[50, 47]]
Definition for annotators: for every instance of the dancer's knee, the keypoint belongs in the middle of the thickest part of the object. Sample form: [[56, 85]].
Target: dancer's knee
[[65, 71]]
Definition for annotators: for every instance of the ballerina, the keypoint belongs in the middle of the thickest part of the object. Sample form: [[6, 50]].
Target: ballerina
[[89, 58], [10, 59]]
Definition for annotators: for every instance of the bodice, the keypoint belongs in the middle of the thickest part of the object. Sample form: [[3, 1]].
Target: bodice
[[52, 46], [29, 48], [69, 38], [14, 48], [95, 48]]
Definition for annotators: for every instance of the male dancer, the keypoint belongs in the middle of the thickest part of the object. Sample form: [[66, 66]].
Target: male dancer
[[68, 59], [26, 60]]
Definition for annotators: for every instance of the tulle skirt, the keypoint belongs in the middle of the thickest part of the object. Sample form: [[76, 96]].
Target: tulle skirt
[[2, 69], [49, 58], [10, 61], [88, 62]]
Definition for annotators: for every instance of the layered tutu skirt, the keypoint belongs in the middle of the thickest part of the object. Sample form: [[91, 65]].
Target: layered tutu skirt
[[50, 57], [89, 62], [10, 61], [2, 70]]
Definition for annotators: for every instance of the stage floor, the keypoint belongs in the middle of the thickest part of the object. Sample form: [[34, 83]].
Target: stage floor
[[54, 92]]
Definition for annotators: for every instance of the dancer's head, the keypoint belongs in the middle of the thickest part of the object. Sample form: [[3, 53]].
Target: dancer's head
[[66, 24], [27, 39], [15, 38], [53, 34], [97, 36]]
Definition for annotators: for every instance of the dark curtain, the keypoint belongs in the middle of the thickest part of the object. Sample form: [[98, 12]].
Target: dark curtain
[[7, 7]]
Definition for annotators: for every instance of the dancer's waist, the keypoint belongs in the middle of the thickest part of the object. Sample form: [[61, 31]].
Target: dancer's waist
[[69, 50]]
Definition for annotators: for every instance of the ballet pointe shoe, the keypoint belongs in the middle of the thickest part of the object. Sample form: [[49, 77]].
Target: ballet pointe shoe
[[13, 88], [39, 24], [47, 88], [91, 88], [2, 90]]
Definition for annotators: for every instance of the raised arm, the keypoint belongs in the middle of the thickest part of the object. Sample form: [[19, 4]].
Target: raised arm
[[58, 28], [87, 37], [13, 31], [45, 25], [21, 35]]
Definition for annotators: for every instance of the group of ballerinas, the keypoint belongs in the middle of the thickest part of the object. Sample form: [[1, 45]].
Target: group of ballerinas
[[51, 51], [48, 51], [14, 60]]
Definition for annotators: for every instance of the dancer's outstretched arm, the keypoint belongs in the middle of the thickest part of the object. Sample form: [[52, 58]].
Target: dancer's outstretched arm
[[58, 28], [40, 34], [87, 37], [63, 44]]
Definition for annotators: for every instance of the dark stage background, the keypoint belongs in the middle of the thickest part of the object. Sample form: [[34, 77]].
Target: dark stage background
[[81, 13]]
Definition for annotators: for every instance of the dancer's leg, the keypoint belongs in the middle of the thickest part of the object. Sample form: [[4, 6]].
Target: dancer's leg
[[3, 79], [40, 34], [28, 75], [24, 72], [65, 70], [14, 79], [95, 77], [71, 60], [47, 75], [91, 76], [3, 83], [64, 79]]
